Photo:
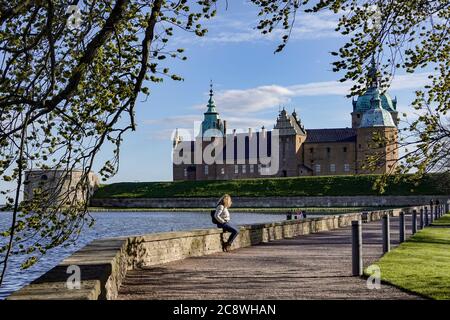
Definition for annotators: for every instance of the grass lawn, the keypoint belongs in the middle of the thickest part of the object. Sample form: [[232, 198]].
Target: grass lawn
[[422, 263], [267, 187], [444, 221]]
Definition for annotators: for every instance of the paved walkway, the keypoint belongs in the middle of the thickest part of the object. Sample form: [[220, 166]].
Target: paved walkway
[[315, 266]]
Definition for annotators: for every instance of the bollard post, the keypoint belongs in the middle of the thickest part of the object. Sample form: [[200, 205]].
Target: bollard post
[[447, 207], [436, 207], [414, 221], [431, 214], [421, 218], [357, 264], [402, 227], [426, 217], [386, 232]]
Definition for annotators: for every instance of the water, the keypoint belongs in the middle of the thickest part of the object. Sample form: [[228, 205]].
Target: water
[[116, 224]]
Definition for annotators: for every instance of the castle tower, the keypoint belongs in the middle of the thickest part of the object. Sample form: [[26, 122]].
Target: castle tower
[[212, 125], [363, 103], [376, 139], [213, 128], [292, 134]]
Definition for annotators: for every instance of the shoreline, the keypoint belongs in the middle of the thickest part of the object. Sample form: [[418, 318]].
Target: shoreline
[[310, 210]]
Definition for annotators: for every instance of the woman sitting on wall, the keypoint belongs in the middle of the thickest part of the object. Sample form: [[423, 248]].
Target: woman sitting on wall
[[222, 217]]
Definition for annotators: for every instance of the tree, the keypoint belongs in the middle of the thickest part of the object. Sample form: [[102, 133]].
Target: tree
[[71, 72], [408, 35]]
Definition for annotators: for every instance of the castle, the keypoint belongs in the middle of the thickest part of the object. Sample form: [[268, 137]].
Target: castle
[[57, 183], [216, 154]]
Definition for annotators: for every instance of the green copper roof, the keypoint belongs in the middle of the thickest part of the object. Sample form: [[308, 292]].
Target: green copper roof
[[377, 116], [211, 118], [363, 103], [211, 103]]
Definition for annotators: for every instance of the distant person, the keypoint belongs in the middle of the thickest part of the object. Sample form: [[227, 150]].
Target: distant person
[[222, 217]]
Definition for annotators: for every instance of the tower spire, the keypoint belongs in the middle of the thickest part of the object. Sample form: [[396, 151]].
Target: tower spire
[[211, 103], [372, 75], [211, 93]]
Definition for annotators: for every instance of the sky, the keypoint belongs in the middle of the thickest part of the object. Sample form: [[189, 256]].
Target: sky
[[250, 83]]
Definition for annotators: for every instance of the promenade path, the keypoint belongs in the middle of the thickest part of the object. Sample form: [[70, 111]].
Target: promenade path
[[315, 266]]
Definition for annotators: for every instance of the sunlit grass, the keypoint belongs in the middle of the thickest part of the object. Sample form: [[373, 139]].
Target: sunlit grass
[[422, 263], [295, 186]]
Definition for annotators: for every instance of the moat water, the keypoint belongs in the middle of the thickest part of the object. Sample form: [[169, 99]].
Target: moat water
[[115, 224]]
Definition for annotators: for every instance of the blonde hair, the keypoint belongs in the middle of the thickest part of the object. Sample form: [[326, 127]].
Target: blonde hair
[[225, 201]]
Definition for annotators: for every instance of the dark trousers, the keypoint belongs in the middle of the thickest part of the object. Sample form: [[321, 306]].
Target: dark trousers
[[230, 228]]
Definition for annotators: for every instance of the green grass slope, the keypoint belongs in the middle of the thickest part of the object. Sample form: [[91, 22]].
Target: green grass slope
[[298, 186]]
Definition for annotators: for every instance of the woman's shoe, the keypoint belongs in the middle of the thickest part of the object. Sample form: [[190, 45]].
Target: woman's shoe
[[227, 247]]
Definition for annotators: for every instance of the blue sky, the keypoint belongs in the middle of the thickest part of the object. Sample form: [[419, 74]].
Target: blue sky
[[250, 84]]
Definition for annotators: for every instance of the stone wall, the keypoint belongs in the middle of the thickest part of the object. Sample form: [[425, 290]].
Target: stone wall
[[268, 202], [104, 263]]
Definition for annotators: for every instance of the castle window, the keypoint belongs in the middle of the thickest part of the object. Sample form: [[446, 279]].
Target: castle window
[[236, 169], [332, 167], [252, 168], [328, 150], [185, 172], [222, 170], [317, 168], [311, 150], [345, 149], [206, 169], [244, 168], [359, 146], [346, 167], [358, 115]]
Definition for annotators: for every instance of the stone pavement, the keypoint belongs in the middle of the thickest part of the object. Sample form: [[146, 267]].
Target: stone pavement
[[315, 266]]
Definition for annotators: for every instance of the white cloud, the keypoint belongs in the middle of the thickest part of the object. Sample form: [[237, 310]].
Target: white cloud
[[164, 129], [251, 100], [246, 101], [410, 81]]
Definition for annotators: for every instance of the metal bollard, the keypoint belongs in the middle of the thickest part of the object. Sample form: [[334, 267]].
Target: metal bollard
[[402, 227], [431, 214], [427, 222], [357, 263], [421, 219], [436, 212], [386, 232], [414, 221]]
